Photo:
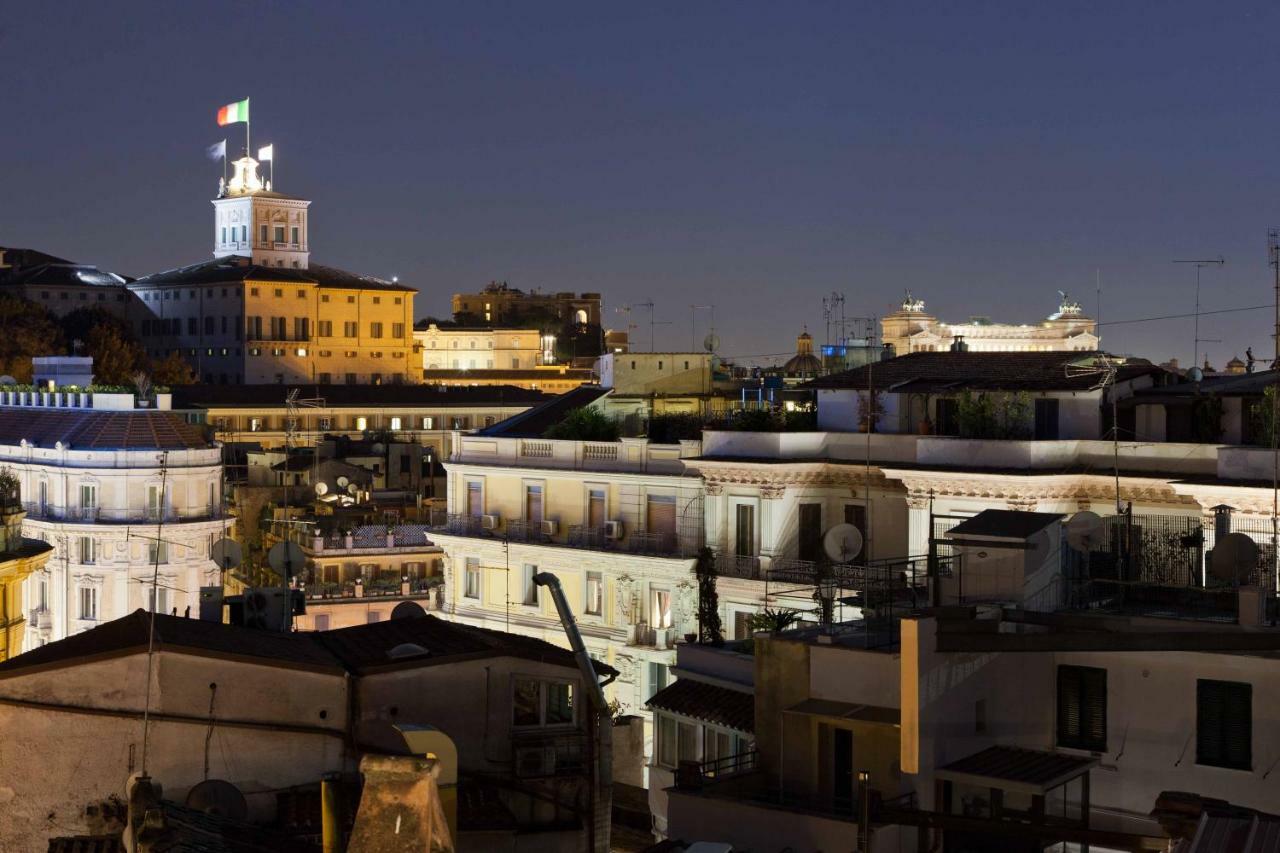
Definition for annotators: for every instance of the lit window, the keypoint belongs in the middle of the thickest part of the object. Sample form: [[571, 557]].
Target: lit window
[[395, 423], [362, 423]]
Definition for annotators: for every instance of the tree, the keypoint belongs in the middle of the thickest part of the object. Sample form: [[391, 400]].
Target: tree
[[585, 424], [27, 330], [710, 630], [173, 370], [117, 353], [116, 357]]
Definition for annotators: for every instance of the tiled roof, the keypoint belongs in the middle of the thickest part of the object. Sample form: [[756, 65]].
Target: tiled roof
[[365, 648], [1005, 523], [240, 268], [710, 703], [66, 274], [175, 633], [1014, 768], [357, 396], [536, 421], [360, 650], [105, 430], [931, 372], [223, 270]]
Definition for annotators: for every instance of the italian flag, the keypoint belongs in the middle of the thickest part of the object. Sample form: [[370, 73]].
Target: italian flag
[[232, 113]]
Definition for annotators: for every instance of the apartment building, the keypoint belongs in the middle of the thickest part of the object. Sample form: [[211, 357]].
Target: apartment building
[[987, 720], [425, 414], [504, 718], [501, 304], [122, 495], [261, 312], [619, 522], [64, 286], [482, 348]]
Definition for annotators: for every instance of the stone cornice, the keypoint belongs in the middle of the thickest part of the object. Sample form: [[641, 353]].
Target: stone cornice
[[1031, 488], [775, 475]]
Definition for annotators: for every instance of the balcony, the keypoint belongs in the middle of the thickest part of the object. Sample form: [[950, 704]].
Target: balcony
[[391, 587], [636, 542], [108, 515], [739, 566]]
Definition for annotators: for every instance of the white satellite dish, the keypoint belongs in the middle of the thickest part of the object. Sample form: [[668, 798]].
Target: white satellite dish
[[1084, 531], [842, 543], [342, 482], [1233, 559], [322, 488], [286, 559], [226, 553]]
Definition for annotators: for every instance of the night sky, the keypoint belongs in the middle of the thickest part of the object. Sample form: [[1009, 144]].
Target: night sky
[[752, 155]]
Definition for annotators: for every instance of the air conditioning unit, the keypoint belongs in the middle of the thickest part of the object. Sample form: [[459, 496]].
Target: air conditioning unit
[[613, 530], [490, 522], [535, 761], [549, 526]]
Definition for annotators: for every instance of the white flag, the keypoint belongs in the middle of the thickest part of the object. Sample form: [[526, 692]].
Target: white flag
[[265, 153], [217, 150]]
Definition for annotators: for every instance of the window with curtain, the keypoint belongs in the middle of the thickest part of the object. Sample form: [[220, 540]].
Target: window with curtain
[[595, 594], [471, 587], [659, 607]]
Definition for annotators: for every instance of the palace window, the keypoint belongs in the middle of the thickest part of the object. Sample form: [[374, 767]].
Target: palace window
[[88, 602]]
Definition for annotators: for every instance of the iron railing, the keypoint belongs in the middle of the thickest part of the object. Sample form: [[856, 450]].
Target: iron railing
[[739, 566]]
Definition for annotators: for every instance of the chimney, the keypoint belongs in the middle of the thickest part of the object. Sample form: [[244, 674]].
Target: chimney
[[400, 808]]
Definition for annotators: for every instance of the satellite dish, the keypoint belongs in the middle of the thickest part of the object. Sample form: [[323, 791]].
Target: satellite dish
[[711, 342], [218, 797], [379, 448], [286, 558], [1084, 531], [352, 488], [322, 488], [226, 553], [1195, 374], [407, 610], [1233, 559], [342, 482], [842, 543]]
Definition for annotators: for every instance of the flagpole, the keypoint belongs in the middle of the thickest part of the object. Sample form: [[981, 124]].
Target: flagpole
[[248, 151]]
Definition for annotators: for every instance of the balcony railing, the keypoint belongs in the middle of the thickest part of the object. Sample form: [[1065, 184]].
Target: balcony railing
[[108, 515], [664, 544], [739, 566]]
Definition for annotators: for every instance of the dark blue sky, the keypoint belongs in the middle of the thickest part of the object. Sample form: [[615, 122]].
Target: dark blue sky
[[754, 155]]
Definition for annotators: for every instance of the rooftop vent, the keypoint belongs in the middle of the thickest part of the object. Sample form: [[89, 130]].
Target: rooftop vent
[[407, 650]]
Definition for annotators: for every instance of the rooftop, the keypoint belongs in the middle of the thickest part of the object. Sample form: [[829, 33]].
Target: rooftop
[[360, 650], [707, 702], [1005, 524], [536, 421], [100, 430], [930, 372], [240, 268], [356, 396], [1015, 769]]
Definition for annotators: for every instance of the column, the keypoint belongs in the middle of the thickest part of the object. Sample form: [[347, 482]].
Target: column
[[918, 531]]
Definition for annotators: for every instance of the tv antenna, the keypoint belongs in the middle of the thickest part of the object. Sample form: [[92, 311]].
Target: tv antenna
[[1201, 264], [1103, 368], [652, 322]]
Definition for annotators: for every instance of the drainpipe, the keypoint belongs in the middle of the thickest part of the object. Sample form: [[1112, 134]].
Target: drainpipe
[[601, 741]]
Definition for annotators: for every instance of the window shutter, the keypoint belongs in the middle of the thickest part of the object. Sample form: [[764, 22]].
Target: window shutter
[[1224, 724], [1082, 708]]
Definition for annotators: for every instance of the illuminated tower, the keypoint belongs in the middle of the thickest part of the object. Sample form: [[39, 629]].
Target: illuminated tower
[[251, 220]]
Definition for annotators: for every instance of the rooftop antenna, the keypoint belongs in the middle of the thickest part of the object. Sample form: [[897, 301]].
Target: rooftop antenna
[[1103, 368], [1273, 253], [833, 314], [1201, 264]]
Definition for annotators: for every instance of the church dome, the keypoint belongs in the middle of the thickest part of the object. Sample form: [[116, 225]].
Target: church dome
[[804, 363], [1235, 365]]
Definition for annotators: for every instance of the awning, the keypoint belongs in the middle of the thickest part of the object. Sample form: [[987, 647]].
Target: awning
[[710, 703], [846, 711], [1012, 768]]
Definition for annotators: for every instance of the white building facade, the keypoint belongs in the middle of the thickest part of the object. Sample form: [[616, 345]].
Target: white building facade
[[131, 502]]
